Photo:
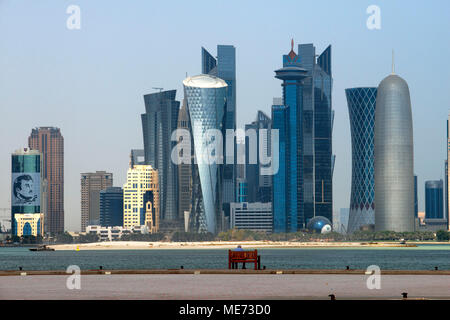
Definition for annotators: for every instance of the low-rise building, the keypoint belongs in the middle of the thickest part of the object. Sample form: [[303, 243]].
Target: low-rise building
[[256, 216]]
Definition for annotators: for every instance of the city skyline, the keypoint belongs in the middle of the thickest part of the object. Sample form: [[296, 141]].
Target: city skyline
[[64, 105]]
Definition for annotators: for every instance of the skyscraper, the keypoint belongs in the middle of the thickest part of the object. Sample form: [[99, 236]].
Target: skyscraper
[[27, 197], [184, 169], [91, 185], [158, 122], [434, 202], [224, 67], [207, 102], [447, 174], [361, 108], [111, 207], [50, 142], [307, 85], [259, 186], [141, 187], [394, 157]]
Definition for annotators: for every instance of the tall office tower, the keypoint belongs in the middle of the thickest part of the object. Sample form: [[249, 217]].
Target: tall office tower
[[140, 189], [307, 86], [50, 142], [259, 186], [361, 108], [224, 67], [434, 202], [158, 122], [137, 157], [207, 102], [416, 200], [91, 185], [111, 207], [394, 157], [242, 192], [240, 168], [446, 196], [184, 169], [447, 173], [27, 198], [279, 180]]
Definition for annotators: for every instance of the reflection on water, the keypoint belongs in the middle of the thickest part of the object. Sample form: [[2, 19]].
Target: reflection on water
[[423, 257]]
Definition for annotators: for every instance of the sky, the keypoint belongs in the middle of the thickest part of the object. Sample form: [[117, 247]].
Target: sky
[[90, 81]]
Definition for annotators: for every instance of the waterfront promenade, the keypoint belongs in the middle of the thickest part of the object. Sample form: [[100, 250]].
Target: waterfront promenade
[[242, 285]]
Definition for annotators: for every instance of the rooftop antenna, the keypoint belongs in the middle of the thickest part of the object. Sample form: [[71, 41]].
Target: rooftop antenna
[[393, 62], [156, 88]]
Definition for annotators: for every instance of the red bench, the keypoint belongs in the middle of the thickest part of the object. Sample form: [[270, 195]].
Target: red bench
[[234, 257]]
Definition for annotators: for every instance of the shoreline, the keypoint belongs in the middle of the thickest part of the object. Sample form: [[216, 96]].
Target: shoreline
[[246, 245]]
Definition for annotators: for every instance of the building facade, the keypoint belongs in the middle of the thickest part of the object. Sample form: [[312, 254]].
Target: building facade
[[27, 196], [111, 207], [50, 142], [207, 102], [184, 169], [91, 185], [361, 108], [307, 86], [447, 174], [255, 216], [394, 157], [259, 186], [224, 67], [434, 202], [159, 121], [141, 187], [28, 224]]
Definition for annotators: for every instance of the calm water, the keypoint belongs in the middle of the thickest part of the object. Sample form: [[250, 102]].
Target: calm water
[[424, 257]]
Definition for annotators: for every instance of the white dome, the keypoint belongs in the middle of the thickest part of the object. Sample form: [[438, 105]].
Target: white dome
[[204, 81]]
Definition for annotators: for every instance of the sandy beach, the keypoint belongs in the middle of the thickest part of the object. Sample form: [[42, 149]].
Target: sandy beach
[[143, 245]]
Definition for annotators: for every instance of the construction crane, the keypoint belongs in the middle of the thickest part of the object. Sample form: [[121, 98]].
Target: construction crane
[[156, 88]]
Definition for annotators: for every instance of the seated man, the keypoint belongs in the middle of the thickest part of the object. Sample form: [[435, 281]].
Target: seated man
[[239, 248]]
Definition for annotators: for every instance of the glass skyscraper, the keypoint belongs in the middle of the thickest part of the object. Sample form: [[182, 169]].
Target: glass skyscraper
[[158, 122], [259, 186], [224, 67], [207, 103], [434, 202], [307, 85], [361, 108]]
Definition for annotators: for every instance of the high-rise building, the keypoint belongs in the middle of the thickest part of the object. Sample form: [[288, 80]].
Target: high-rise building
[[224, 67], [27, 196], [111, 207], [137, 157], [184, 169], [259, 186], [207, 102], [140, 189], [242, 192], [416, 199], [91, 185], [447, 174], [434, 202], [50, 142], [159, 121], [361, 108], [307, 85], [394, 157], [279, 180]]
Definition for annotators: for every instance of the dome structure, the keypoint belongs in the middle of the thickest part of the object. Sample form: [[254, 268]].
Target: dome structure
[[319, 224]]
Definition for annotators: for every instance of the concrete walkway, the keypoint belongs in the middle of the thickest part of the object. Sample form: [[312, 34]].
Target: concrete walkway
[[224, 286]]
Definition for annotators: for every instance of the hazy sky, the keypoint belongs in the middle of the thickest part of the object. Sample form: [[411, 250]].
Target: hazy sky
[[90, 82]]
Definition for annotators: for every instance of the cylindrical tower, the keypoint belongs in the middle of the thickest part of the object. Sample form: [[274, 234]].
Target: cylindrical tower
[[361, 108], [393, 157], [207, 97]]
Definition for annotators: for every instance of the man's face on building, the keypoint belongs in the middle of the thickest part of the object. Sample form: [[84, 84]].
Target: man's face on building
[[26, 189]]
